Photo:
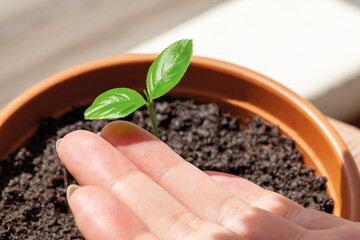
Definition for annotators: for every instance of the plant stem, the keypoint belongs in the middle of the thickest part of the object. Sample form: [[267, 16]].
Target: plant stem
[[153, 120], [150, 108]]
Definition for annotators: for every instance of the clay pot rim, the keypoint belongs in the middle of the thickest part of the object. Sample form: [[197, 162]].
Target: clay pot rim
[[305, 107]]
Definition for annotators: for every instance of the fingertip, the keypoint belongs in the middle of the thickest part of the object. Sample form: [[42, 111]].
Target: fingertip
[[73, 141], [75, 196], [87, 156], [100, 215], [75, 135], [125, 133], [68, 139]]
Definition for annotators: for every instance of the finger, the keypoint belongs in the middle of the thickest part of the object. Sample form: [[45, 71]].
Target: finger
[[348, 230], [193, 188], [276, 203], [100, 215], [93, 161]]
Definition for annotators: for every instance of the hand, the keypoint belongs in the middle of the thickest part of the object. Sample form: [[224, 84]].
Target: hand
[[135, 187]]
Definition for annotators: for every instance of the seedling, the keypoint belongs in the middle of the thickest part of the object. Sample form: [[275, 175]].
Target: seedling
[[163, 75]]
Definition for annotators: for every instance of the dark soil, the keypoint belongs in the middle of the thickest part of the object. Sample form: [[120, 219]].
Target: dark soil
[[33, 181]]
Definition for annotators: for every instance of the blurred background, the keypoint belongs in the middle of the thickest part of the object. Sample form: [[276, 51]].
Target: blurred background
[[312, 47]]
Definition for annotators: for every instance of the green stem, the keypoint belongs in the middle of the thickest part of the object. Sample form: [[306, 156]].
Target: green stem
[[153, 120], [150, 107]]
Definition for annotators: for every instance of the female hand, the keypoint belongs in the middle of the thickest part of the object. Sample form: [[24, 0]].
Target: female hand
[[133, 186]]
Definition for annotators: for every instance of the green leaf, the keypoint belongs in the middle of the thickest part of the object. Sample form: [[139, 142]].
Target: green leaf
[[168, 68], [115, 103]]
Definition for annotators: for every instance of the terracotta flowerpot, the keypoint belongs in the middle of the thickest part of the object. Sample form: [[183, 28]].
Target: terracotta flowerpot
[[236, 89]]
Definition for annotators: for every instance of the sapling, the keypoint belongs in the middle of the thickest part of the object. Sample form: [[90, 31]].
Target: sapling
[[163, 75]]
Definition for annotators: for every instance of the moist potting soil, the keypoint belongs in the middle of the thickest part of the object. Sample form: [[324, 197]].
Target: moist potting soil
[[33, 179]]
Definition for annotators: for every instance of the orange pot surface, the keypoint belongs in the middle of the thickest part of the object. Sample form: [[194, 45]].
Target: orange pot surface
[[236, 89]]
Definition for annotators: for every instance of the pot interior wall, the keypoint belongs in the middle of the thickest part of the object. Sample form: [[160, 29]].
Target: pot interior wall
[[235, 89]]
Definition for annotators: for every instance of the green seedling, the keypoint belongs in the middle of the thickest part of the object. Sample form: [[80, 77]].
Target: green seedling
[[163, 75]]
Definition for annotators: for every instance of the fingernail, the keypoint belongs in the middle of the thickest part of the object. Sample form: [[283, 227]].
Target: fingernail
[[70, 190], [57, 144], [99, 133]]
